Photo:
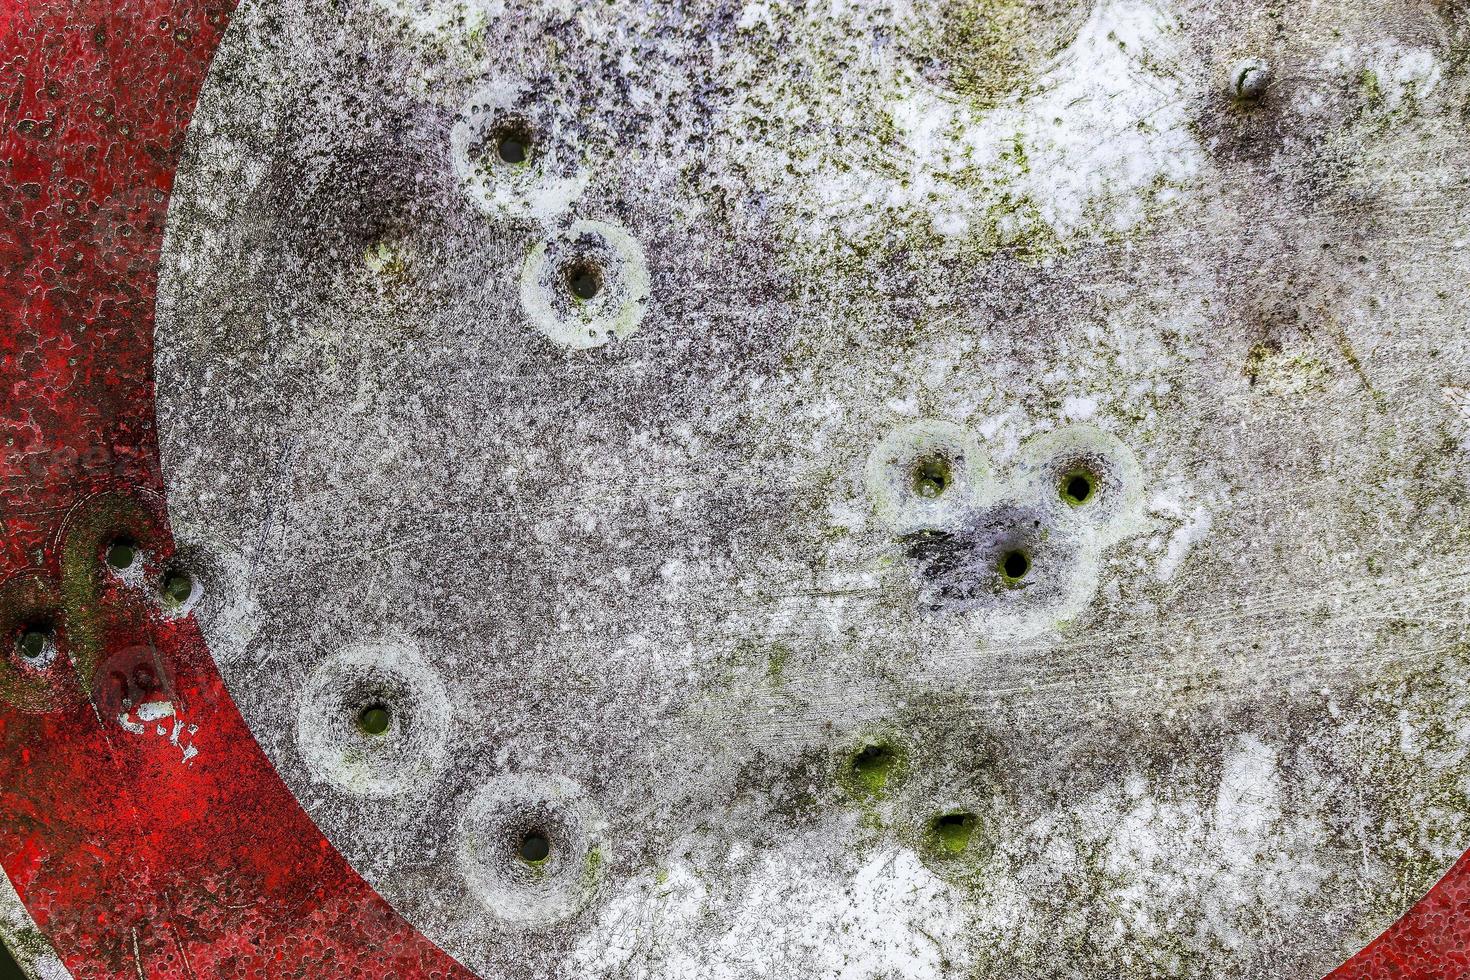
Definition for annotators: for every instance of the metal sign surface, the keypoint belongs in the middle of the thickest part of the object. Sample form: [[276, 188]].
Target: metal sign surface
[[933, 489]]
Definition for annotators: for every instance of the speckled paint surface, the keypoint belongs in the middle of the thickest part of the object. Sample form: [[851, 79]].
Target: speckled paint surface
[[918, 490]]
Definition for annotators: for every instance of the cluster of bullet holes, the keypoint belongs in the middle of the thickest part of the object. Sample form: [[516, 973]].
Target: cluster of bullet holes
[[1077, 489], [932, 476], [532, 846], [878, 765], [174, 587], [1023, 549], [586, 282], [36, 642]]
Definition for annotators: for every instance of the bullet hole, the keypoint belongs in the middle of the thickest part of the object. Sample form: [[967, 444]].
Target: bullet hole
[[374, 719], [535, 847], [511, 149], [932, 476], [512, 143], [121, 554], [177, 587], [1250, 79], [1078, 488], [952, 831], [33, 641], [873, 766], [1014, 566], [584, 280]]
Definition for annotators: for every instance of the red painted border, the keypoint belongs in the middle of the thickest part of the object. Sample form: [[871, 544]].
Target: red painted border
[[138, 853], [133, 858]]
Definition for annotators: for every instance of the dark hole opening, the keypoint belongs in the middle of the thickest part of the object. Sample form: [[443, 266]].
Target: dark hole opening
[[1078, 488], [121, 553], [511, 142], [178, 586], [872, 766], [512, 149], [535, 847], [584, 280], [954, 831], [1015, 565], [374, 719], [932, 476], [33, 641]]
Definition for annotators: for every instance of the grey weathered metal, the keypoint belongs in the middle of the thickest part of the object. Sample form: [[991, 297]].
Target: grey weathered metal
[[921, 489]]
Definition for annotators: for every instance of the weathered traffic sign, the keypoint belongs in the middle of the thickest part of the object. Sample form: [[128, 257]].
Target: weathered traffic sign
[[942, 489]]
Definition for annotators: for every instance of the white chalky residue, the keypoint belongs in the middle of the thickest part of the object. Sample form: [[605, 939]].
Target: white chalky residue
[[951, 225], [1193, 521], [1396, 73], [1108, 128], [1249, 797], [752, 14], [1125, 124], [433, 17], [137, 719], [896, 919], [1079, 407], [1196, 525], [1167, 859]]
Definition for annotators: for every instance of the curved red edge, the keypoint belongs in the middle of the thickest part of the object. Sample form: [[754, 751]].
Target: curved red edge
[[161, 843], [171, 847]]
